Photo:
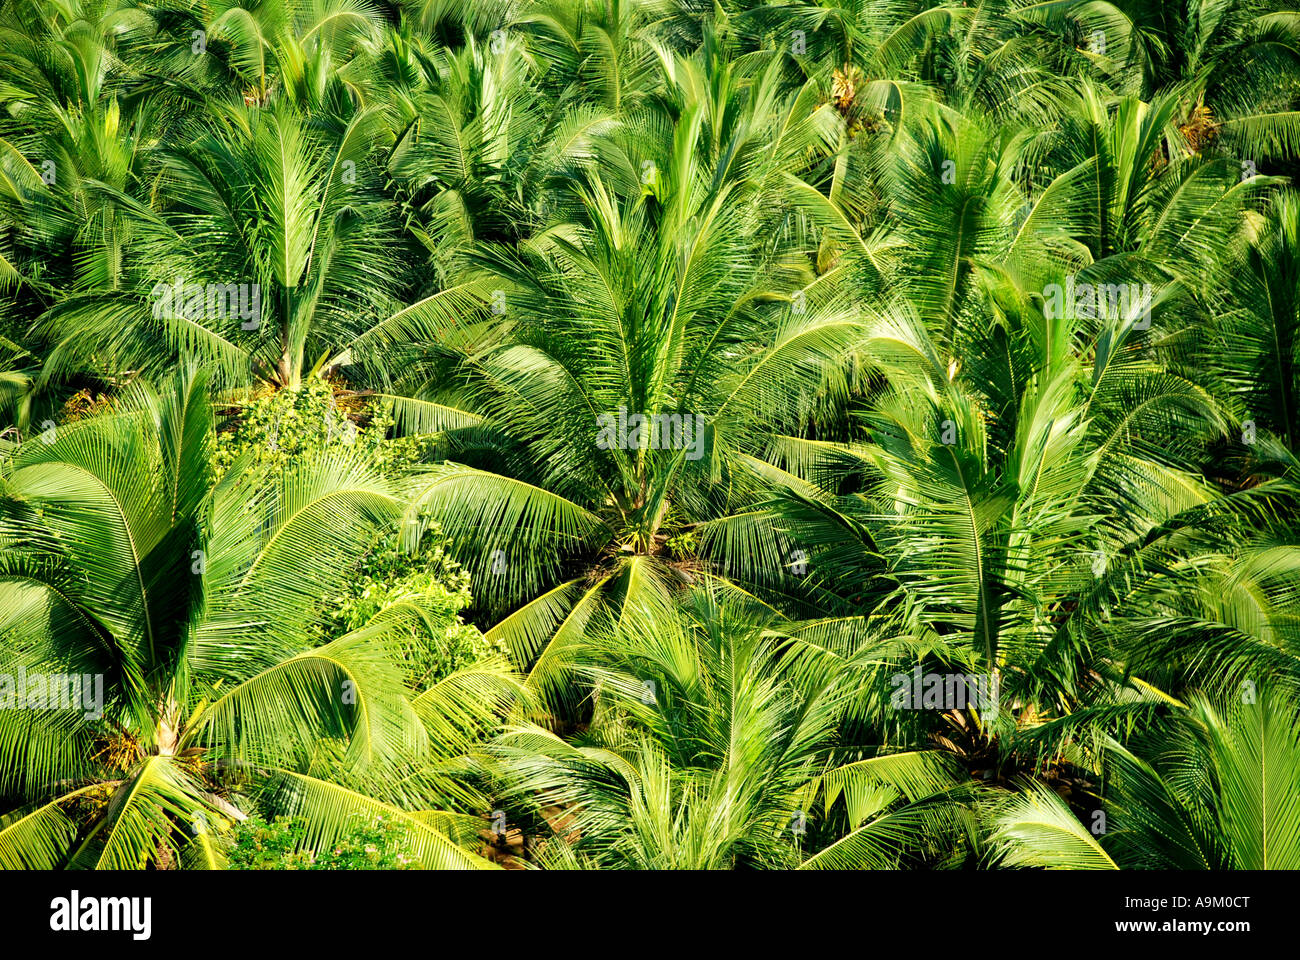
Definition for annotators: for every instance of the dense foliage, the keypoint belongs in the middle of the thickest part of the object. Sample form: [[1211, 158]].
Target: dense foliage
[[606, 434], [258, 845]]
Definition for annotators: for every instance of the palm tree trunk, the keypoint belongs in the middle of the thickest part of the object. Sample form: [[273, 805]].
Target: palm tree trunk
[[169, 727], [288, 370]]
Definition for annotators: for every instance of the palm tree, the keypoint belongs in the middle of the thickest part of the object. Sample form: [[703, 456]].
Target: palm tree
[[281, 216], [1249, 351], [704, 753], [658, 296], [188, 599], [1209, 788]]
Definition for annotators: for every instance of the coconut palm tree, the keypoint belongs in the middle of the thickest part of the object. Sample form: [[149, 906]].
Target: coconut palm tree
[[1248, 354], [705, 753], [658, 296], [278, 219], [1211, 787], [186, 600]]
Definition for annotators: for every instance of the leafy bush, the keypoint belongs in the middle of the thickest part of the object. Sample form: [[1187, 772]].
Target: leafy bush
[[281, 429], [433, 588], [378, 844]]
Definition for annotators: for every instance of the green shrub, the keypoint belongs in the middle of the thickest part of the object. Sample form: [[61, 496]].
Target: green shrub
[[439, 642], [288, 427], [378, 844]]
